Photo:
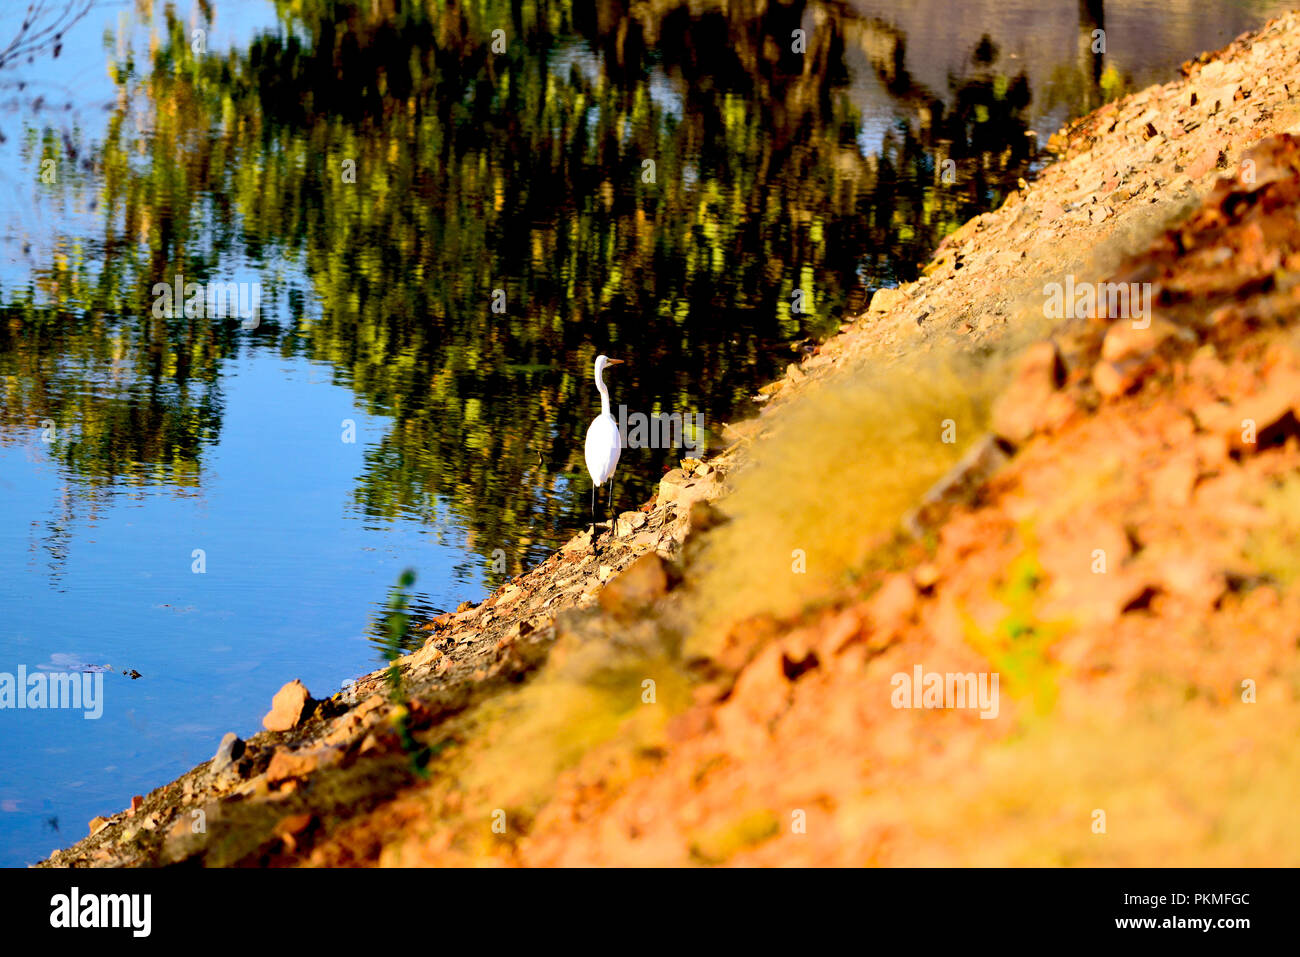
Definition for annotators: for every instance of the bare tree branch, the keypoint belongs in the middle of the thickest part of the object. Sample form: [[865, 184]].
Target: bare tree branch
[[42, 28]]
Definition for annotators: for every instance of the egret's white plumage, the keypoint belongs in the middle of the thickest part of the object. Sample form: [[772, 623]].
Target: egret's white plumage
[[604, 442]]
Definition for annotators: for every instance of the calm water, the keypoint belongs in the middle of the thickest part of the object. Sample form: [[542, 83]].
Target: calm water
[[444, 237]]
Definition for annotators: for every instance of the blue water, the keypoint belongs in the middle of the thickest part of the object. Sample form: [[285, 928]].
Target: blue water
[[293, 580]]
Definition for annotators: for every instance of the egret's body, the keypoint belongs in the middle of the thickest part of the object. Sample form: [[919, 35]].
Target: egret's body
[[604, 441]]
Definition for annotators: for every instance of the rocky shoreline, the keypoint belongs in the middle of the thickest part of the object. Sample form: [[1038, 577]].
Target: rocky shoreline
[[1109, 436]]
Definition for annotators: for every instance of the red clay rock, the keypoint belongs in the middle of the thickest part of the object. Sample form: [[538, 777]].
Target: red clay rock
[[286, 765], [1017, 413], [891, 607], [288, 707], [1125, 340], [1206, 161], [1114, 379], [645, 580]]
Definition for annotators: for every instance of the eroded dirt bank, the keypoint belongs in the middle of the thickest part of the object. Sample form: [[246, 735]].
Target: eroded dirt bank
[[1114, 532]]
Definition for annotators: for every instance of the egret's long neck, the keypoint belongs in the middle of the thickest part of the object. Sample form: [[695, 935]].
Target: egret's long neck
[[604, 394]]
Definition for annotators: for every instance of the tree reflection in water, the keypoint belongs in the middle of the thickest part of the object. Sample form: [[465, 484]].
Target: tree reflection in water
[[653, 181]]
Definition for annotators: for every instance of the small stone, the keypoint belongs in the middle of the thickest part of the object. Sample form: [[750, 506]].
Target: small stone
[[517, 630], [97, 824], [1207, 161], [189, 832], [180, 829], [1125, 340], [230, 750], [343, 730], [891, 606], [646, 579], [1192, 578], [885, 300], [1173, 483], [926, 575], [511, 594], [703, 515], [136, 802], [288, 707], [680, 489], [438, 622], [578, 543], [1114, 379], [286, 765], [1016, 411]]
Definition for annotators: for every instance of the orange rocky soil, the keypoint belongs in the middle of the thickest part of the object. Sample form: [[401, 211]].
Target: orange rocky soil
[[1131, 573], [1120, 550]]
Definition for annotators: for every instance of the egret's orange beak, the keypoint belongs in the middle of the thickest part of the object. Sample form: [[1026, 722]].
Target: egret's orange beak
[[613, 362]]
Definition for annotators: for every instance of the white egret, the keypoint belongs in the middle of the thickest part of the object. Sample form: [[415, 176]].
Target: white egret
[[604, 442]]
